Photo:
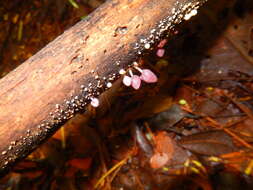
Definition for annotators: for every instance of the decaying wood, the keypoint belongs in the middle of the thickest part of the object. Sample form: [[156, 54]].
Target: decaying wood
[[60, 80]]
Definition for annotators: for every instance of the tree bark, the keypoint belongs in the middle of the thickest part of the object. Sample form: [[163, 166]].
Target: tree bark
[[61, 79]]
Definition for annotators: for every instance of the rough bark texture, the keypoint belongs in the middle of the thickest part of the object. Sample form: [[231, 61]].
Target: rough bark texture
[[60, 80]]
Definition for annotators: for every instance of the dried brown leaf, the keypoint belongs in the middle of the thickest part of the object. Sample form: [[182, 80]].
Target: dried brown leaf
[[208, 143]]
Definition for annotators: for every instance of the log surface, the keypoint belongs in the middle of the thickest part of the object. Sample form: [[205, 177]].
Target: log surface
[[60, 80]]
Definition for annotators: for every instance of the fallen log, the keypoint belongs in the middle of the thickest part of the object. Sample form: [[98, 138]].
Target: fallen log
[[65, 76]]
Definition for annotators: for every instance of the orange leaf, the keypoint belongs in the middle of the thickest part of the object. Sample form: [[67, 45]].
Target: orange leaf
[[158, 160], [163, 150], [164, 143], [81, 163]]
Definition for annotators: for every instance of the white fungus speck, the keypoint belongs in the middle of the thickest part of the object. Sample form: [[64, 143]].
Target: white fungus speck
[[190, 14], [122, 71], [109, 85], [94, 102], [135, 63], [147, 46]]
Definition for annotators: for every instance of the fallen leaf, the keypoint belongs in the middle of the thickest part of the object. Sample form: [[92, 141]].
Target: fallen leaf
[[158, 160], [208, 143], [81, 163], [164, 150]]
